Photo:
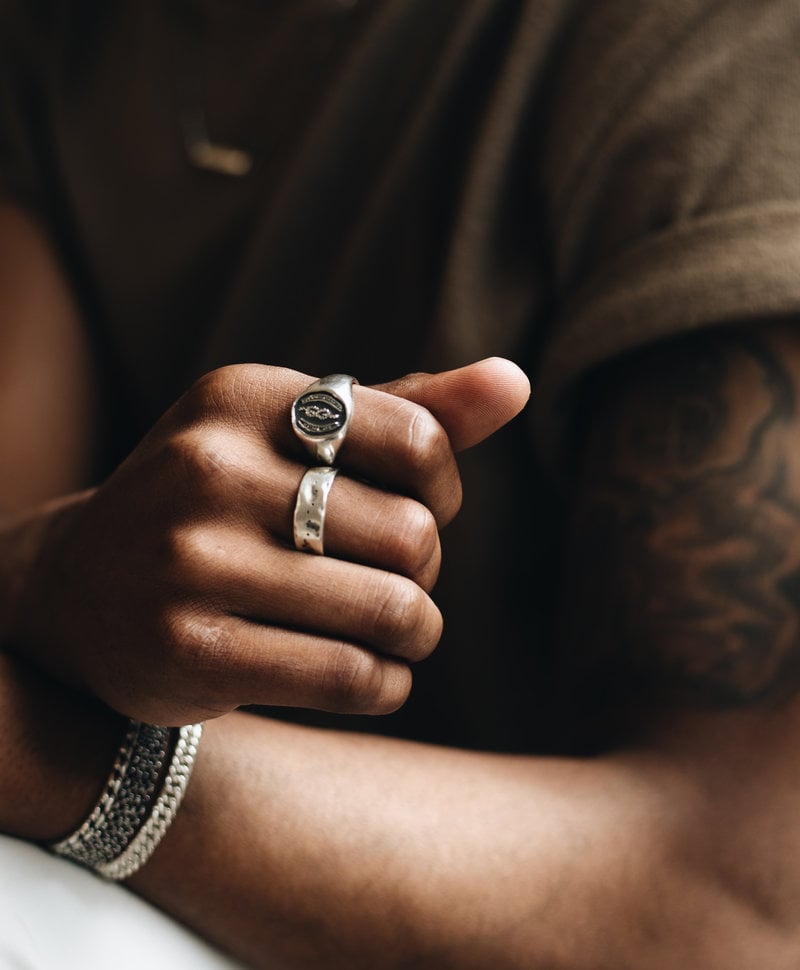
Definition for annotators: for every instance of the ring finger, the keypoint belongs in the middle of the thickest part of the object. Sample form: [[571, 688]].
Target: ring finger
[[363, 523]]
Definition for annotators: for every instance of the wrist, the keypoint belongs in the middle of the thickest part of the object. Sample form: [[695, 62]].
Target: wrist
[[56, 749]]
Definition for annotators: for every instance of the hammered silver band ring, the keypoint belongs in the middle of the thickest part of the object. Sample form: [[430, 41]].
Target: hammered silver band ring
[[321, 416], [309, 509]]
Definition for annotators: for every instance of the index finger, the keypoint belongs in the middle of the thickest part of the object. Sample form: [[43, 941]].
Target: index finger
[[392, 443]]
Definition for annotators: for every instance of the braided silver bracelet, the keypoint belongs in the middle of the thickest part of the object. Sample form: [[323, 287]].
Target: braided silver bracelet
[[129, 819], [164, 809]]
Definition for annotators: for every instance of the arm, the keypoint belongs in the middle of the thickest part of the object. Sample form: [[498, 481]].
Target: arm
[[689, 496], [302, 848], [293, 846], [679, 846], [345, 851], [47, 385]]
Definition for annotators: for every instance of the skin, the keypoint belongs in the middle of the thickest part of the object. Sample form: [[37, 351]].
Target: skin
[[300, 848], [694, 498]]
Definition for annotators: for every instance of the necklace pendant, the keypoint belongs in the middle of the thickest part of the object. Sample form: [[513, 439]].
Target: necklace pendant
[[220, 159]]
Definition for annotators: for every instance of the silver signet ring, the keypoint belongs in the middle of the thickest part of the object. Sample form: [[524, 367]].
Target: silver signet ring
[[321, 416], [309, 509]]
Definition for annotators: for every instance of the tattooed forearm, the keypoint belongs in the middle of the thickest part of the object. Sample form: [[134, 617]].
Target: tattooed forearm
[[684, 558]]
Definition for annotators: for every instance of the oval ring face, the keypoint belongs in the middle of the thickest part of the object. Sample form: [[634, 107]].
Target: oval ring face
[[319, 413]]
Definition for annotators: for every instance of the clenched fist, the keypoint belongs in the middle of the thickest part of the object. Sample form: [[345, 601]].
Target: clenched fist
[[174, 591]]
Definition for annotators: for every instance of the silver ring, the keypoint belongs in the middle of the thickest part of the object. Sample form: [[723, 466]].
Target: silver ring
[[309, 509], [321, 416]]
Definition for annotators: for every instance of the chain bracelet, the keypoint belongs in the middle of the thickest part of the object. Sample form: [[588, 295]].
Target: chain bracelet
[[164, 809], [73, 844], [124, 803], [126, 824]]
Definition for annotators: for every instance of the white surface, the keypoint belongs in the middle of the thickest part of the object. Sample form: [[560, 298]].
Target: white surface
[[56, 916]]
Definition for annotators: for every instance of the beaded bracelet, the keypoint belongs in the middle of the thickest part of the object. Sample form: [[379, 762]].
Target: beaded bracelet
[[130, 819]]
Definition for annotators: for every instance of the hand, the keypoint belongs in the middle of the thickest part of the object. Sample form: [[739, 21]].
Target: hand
[[173, 592]]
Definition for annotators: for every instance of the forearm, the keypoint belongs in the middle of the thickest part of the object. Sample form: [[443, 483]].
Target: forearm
[[304, 849], [298, 848]]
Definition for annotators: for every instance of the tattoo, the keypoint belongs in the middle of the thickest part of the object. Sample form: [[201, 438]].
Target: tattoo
[[685, 549]]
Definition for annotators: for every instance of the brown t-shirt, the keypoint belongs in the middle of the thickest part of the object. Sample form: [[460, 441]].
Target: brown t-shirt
[[434, 181]]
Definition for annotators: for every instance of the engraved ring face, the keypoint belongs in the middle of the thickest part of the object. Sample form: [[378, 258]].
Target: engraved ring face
[[319, 413], [321, 416]]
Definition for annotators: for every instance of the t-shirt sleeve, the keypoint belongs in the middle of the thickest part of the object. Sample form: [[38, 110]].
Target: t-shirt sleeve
[[672, 173]]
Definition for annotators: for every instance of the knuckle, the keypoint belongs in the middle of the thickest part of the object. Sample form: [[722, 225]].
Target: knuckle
[[220, 391], [207, 396], [192, 554], [405, 621], [358, 682], [413, 538], [199, 653], [426, 440], [201, 643], [237, 392], [351, 677], [429, 574], [397, 681], [205, 460]]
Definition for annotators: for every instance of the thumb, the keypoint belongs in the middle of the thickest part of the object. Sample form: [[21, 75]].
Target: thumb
[[470, 402]]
